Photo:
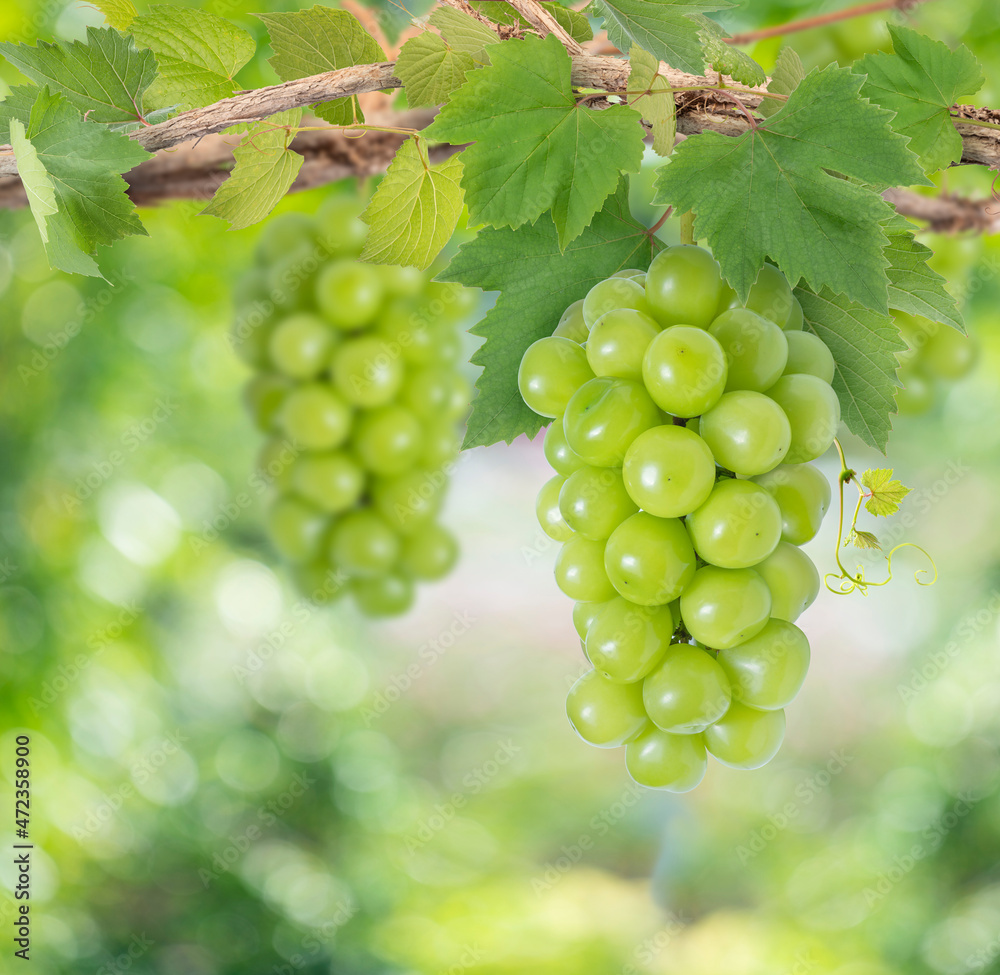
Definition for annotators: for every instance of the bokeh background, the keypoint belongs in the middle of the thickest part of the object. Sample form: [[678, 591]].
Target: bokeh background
[[227, 780]]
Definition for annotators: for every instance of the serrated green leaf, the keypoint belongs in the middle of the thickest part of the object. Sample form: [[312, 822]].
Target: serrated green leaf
[[118, 13], [788, 73], [264, 172], [415, 209], [105, 78], [770, 192], [199, 54], [913, 286], [535, 147], [71, 169], [319, 39], [726, 58], [864, 540], [668, 29], [656, 105], [537, 280], [886, 494], [863, 344], [573, 22], [920, 82], [431, 66]]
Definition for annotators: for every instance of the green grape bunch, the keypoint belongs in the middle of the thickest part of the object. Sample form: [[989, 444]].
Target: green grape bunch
[[935, 355], [358, 389], [683, 427]]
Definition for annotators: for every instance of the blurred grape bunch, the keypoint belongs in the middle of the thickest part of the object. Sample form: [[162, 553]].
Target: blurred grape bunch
[[936, 355], [359, 391]]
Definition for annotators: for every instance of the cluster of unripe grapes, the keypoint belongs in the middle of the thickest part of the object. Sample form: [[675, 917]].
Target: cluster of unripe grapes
[[683, 424], [359, 393], [934, 353]]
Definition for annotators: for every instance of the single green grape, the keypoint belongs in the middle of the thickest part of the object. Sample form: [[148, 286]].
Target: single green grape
[[603, 418], [295, 528], [430, 553], [561, 457], [668, 471], [363, 544], [580, 571], [320, 582], [803, 494], [593, 502], [625, 642], [618, 342], [428, 392], [685, 370], [401, 282], [571, 323], [747, 432], [687, 691], [813, 412], [441, 446], [407, 333], [659, 760], [388, 440], [684, 286], [756, 349], [282, 234], [796, 320], [612, 294], [808, 354], [348, 293], [450, 302], [948, 354], [408, 501], [649, 560], [771, 296], [547, 510], [603, 713], [300, 345], [737, 527], [315, 418], [746, 738], [340, 229], [332, 481], [264, 396], [768, 670], [390, 594], [792, 579], [290, 280], [723, 607], [551, 371], [365, 372], [459, 397], [584, 613], [916, 396]]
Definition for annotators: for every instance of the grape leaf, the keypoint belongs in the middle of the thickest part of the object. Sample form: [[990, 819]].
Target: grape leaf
[[198, 53], [432, 66], [264, 172], [70, 169], [307, 42], [668, 29], [535, 147], [118, 13], [726, 58], [863, 344], [105, 78], [771, 192], [415, 209], [785, 78], [17, 105], [920, 82], [537, 280], [656, 104], [913, 286], [886, 494], [573, 22], [864, 540]]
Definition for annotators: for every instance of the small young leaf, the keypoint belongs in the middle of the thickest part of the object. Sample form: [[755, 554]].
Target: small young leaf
[[537, 280], [656, 104], [105, 78], [886, 494], [771, 192], [788, 73], [913, 287], [920, 82], [668, 29], [865, 540], [415, 209], [535, 147], [307, 42], [264, 172], [198, 53], [70, 169], [118, 13], [573, 22], [726, 58], [863, 346]]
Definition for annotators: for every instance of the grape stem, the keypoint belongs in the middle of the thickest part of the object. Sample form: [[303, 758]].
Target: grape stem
[[687, 227], [659, 223], [845, 583]]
